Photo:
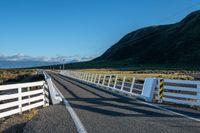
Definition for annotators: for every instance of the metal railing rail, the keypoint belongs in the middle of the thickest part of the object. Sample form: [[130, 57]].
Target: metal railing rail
[[185, 92]]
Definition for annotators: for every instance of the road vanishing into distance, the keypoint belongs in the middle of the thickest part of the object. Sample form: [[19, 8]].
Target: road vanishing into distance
[[102, 111]]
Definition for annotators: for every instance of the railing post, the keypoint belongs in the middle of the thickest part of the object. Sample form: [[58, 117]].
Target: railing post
[[95, 78], [115, 81], [123, 83], [160, 89], [82, 76], [104, 77], [44, 104], [92, 78], [99, 79], [20, 100], [90, 75], [198, 94], [28, 89], [132, 85], [109, 80], [87, 75]]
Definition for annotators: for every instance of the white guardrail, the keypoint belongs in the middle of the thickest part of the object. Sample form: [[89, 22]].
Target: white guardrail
[[17, 98], [185, 92], [175, 91], [54, 94], [134, 86]]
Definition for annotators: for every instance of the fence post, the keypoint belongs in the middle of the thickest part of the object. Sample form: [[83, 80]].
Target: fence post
[[95, 78], [84, 75], [115, 81], [29, 95], [90, 75], [160, 89], [123, 83], [99, 79], [44, 104], [132, 85], [109, 80], [20, 100], [198, 94], [80, 75], [104, 77], [92, 78], [87, 75]]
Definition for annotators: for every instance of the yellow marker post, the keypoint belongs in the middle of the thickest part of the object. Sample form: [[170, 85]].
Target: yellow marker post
[[161, 88]]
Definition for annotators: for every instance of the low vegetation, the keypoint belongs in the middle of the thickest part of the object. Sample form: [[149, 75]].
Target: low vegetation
[[143, 73], [16, 123], [15, 75]]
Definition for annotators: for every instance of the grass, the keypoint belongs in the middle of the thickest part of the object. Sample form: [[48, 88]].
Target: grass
[[143, 73], [14, 74], [16, 123], [29, 115]]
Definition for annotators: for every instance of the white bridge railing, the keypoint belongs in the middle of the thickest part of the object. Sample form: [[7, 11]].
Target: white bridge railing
[[129, 85], [17, 98], [185, 92]]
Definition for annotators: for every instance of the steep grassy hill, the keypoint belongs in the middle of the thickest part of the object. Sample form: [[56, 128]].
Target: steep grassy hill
[[174, 44]]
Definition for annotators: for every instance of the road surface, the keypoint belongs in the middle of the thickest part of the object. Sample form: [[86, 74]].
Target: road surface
[[102, 111]]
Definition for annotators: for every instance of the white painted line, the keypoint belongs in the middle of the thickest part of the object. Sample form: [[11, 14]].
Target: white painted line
[[79, 126], [168, 110]]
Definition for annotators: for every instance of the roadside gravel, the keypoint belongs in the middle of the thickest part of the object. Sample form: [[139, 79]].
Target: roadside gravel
[[53, 119]]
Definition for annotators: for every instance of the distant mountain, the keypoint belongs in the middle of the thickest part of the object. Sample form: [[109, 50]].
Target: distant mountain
[[24, 64], [177, 43]]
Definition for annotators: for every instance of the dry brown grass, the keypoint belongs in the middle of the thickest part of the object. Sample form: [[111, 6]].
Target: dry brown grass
[[140, 73], [16, 122], [14, 73]]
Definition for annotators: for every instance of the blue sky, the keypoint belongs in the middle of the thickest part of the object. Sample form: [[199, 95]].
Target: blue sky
[[79, 28]]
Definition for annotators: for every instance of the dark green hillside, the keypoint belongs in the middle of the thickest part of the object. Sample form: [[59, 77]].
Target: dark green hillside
[[167, 44]]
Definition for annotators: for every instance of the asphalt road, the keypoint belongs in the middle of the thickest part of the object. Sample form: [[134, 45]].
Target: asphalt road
[[102, 111]]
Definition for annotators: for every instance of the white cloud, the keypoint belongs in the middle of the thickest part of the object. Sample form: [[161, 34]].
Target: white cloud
[[59, 58]]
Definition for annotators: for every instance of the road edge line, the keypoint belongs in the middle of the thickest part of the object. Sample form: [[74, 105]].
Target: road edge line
[[79, 126]]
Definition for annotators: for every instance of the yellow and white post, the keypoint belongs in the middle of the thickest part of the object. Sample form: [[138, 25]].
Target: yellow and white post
[[161, 89]]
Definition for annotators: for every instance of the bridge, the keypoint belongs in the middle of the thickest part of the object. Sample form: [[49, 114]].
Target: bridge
[[110, 103]]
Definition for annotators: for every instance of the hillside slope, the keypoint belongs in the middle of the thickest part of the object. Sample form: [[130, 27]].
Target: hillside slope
[[177, 43]]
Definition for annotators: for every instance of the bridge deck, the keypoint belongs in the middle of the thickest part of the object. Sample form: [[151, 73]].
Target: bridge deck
[[103, 111]]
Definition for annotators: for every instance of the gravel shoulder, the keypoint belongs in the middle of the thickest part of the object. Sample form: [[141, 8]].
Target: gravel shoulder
[[53, 119]]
